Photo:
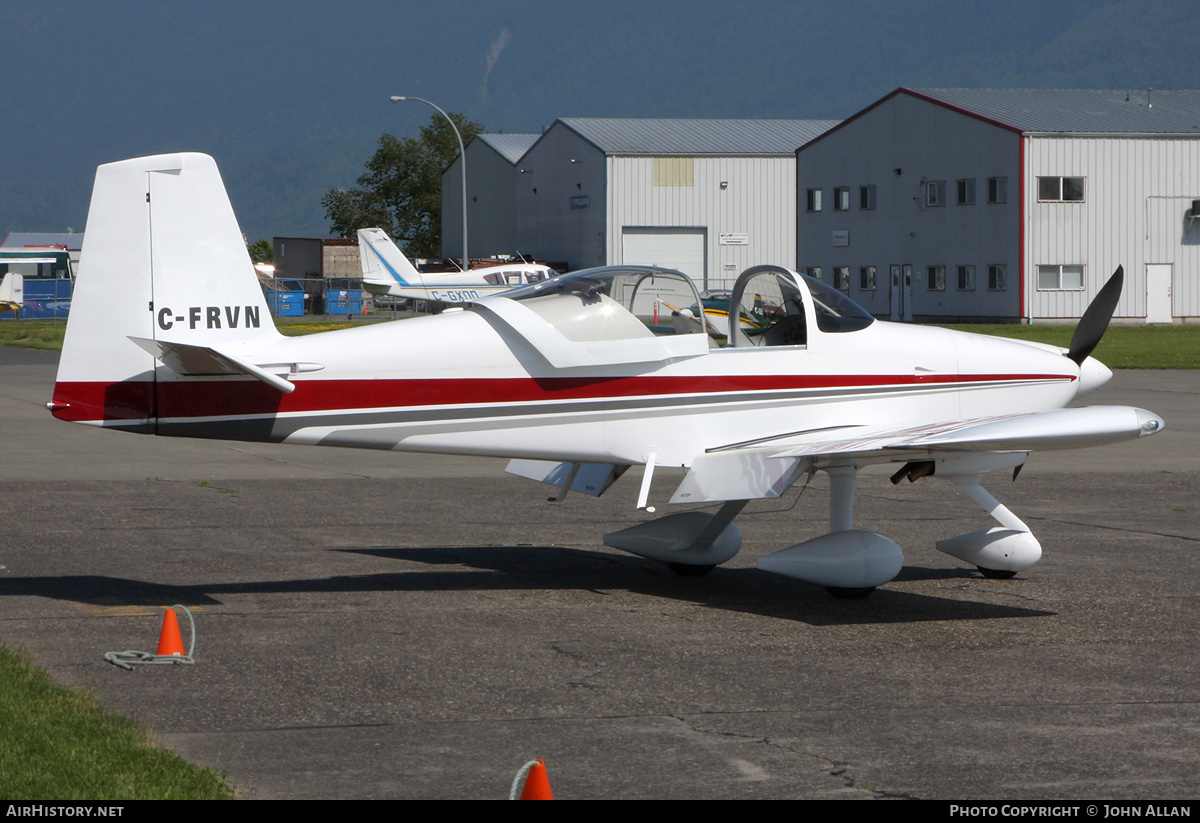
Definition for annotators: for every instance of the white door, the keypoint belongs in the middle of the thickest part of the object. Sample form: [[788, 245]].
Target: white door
[[901, 293], [670, 248], [1158, 293], [894, 294]]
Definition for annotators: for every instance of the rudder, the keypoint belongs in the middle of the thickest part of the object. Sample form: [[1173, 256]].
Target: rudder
[[383, 264]]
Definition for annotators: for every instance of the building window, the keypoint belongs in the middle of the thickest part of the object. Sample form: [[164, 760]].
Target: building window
[[866, 197], [814, 272], [966, 278], [935, 193], [997, 278], [841, 198], [997, 189], [841, 278], [1060, 278], [813, 200], [966, 192], [937, 278], [866, 278], [1060, 189]]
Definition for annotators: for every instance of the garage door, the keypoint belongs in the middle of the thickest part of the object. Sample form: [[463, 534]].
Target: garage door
[[673, 248]]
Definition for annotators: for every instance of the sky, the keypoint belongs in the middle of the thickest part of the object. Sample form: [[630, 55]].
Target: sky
[[290, 98]]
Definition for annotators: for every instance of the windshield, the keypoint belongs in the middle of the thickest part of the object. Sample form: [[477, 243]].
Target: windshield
[[835, 311]]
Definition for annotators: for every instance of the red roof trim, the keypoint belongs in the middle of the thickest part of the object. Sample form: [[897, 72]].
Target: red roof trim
[[919, 96]]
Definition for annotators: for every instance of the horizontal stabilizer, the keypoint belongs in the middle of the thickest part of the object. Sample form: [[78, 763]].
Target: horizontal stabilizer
[[190, 360]]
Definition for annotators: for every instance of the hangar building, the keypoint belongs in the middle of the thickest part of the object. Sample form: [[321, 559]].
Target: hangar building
[[492, 210], [707, 197], [1009, 204]]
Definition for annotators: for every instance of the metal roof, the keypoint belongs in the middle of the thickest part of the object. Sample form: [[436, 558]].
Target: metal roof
[[509, 146], [694, 137], [1078, 111]]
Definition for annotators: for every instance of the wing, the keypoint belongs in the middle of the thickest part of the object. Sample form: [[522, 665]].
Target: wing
[[767, 468]]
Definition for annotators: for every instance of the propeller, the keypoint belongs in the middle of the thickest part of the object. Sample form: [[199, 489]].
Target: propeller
[[1095, 319]]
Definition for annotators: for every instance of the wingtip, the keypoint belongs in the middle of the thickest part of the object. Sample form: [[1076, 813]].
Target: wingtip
[[1149, 422]]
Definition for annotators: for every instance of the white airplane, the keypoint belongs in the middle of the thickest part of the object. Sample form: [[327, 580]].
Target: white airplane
[[12, 292], [386, 271], [578, 378]]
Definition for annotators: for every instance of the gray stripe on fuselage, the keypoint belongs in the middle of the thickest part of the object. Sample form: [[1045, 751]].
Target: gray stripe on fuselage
[[275, 429]]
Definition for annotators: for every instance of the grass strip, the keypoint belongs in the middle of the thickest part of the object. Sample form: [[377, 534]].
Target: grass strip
[[59, 744], [32, 334], [1123, 347]]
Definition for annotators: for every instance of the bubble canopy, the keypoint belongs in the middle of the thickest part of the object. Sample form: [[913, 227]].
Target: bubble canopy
[[768, 302]]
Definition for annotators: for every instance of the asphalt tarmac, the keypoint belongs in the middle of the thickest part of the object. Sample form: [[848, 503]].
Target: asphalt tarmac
[[376, 625]]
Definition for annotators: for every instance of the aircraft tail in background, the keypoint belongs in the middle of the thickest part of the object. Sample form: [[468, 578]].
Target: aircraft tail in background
[[383, 264], [12, 292]]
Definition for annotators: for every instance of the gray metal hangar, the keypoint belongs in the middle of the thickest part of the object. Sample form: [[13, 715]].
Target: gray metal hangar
[[1007, 203], [492, 193], [707, 197]]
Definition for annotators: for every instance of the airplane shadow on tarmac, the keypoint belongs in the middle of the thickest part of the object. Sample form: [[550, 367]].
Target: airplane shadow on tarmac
[[503, 568]]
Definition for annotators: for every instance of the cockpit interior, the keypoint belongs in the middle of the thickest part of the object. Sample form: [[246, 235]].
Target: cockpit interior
[[767, 306]]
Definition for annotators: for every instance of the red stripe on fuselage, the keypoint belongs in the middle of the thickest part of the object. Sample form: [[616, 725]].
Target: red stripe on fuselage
[[235, 398], [127, 400]]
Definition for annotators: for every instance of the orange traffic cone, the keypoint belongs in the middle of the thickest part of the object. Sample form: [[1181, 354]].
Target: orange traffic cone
[[537, 783], [170, 641]]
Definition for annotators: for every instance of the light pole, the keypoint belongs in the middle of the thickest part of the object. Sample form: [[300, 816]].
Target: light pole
[[463, 154]]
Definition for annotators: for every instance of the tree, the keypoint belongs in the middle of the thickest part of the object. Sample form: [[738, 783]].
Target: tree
[[261, 251], [401, 191]]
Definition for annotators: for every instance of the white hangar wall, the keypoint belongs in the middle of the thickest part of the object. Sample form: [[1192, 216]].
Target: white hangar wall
[[712, 217], [1137, 197], [708, 197]]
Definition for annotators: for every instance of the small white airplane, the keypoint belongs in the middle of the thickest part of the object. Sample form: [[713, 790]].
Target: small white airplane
[[578, 378], [12, 292], [386, 271]]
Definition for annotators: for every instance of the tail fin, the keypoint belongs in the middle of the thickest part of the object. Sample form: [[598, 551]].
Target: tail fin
[[383, 264], [163, 259], [12, 291]]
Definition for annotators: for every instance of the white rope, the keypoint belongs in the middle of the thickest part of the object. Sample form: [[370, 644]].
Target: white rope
[[129, 659], [519, 781]]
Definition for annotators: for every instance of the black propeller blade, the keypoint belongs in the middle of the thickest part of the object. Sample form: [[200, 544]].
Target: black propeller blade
[[1095, 319]]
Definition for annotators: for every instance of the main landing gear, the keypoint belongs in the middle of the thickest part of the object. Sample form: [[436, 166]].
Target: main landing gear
[[691, 569], [691, 543], [849, 563], [999, 552], [996, 574]]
